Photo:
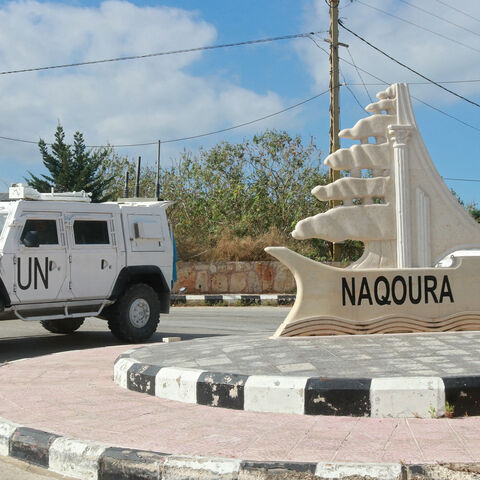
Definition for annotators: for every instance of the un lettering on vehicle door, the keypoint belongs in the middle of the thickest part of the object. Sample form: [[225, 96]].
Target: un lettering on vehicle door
[[40, 262]]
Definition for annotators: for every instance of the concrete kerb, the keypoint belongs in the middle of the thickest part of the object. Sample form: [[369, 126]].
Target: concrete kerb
[[87, 460], [421, 397], [233, 299]]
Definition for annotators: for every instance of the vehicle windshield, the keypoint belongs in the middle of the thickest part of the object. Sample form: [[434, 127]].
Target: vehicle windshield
[[3, 217]]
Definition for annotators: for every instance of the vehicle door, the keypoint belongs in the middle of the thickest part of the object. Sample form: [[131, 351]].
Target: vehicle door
[[93, 255], [40, 259]]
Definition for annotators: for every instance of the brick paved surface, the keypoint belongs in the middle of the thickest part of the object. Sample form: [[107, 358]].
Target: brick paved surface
[[407, 355], [73, 394]]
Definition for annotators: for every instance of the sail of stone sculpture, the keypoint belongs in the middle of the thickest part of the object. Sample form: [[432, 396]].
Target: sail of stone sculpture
[[409, 222]]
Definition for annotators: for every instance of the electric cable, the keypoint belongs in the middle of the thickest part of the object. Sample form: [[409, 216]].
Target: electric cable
[[458, 10], [439, 17], [419, 26], [345, 84], [384, 82], [191, 137], [462, 179], [359, 75], [248, 123], [158, 54], [353, 95], [446, 114], [407, 67], [414, 83], [349, 4]]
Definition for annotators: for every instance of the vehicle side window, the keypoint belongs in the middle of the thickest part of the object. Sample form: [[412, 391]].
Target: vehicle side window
[[91, 232], [46, 231]]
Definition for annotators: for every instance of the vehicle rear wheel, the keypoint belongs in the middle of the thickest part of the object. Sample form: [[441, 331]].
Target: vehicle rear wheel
[[64, 325], [136, 314]]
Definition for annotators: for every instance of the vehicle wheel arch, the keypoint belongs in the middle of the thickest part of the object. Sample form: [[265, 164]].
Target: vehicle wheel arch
[[148, 274]]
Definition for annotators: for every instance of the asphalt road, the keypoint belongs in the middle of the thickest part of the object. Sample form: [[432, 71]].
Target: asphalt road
[[20, 339], [29, 339]]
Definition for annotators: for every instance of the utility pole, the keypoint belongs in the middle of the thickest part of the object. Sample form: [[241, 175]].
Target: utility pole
[[336, 248]]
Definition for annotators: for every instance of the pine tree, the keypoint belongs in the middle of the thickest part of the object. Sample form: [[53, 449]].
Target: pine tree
[[72, 167]]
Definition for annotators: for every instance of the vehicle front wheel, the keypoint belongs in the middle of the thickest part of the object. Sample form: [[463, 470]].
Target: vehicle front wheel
[[136, 314], [64, 325]]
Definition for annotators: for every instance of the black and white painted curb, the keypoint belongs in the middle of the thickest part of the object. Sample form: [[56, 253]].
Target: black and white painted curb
[[423, 397], [87, 460], [233, 299]]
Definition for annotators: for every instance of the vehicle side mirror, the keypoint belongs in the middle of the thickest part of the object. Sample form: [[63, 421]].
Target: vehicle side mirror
[[31, 239]]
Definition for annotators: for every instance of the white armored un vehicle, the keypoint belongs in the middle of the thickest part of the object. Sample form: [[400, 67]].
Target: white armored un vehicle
[[63, 258]]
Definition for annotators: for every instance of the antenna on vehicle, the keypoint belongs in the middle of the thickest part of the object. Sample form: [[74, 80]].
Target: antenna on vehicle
[[157, 179], [137, 180], [125, 190]]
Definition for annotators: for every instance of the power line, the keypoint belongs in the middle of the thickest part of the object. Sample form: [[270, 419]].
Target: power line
[[418, 26], [343, 76], [439, 17], [158, 54], [248, 123], [353, 95], [407, 67], [312, 38], [349, 4], [384, 82], [462, 179], [351, 91], [191, 137], [359, 75], [418, 83], [446, 114], [458, 10]]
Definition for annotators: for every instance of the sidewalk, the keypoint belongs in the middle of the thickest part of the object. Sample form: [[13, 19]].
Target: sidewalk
[[80, 417]]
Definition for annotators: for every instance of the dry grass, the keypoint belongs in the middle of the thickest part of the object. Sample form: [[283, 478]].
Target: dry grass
[[235, 249], [228, 247]]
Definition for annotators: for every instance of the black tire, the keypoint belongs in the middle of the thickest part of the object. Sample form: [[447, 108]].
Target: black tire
[[64, 325], [136, 314]]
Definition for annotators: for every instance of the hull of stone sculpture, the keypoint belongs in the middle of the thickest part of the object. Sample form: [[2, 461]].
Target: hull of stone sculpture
[[336, 301]]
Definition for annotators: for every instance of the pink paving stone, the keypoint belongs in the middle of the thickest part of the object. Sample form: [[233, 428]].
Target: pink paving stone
[[437, 439], [409, 453], [324, 453], [73, 394]]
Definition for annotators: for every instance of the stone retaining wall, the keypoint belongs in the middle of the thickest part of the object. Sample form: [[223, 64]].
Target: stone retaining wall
[[234, 277]]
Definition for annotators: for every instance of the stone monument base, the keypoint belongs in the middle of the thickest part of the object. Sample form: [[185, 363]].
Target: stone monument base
[[336, 301]]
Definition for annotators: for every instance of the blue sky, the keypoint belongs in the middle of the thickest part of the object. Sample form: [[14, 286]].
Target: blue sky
[[176, 96]]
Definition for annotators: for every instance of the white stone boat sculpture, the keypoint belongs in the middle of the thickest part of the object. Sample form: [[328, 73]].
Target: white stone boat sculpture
[[420, 270]]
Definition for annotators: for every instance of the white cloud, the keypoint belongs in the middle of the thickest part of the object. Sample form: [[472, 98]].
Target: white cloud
[[122, 102]]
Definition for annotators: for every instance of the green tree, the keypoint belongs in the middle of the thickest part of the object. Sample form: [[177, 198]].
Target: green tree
[[474, 211], [72, 167], [233, 198], [471, 208]]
